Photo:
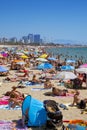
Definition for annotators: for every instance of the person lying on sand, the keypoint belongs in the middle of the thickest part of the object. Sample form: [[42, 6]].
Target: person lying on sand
[[60, 92]]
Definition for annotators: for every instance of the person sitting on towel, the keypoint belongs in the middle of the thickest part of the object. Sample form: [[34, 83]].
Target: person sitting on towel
[[48, 84], [35, 80], [80, 103], [15, 97]]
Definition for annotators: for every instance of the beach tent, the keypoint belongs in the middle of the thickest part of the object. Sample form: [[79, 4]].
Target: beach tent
[[37, 115], [44, 66], [67, 67], [3, 69]]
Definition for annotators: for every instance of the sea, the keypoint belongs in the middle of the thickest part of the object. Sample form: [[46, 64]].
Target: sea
[[75, 53]]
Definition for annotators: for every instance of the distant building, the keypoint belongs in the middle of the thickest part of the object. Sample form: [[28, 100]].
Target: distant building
[[36, 38], [30, 38], [14, 39], [25, 39]]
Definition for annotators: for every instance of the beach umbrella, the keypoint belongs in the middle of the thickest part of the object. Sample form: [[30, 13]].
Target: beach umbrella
[[67, 67], [64, 75], [81, 70], [70, 61], [17, 60], [19, 53], [43, 56], [52, 59], [44, 66], [41, 59], [20, 63], [5, 54], [24, 56], [3, 69], [83, 66]]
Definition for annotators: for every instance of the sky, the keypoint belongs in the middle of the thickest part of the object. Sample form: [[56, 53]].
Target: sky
[[52, 19]]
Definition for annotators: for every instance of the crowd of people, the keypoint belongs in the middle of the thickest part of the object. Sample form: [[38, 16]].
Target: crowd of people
[[25, 68]]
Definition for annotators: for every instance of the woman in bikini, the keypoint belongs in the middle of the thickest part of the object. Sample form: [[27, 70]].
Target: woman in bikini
[[16, 97]]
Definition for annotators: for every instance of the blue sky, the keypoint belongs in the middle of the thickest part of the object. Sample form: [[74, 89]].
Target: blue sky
[[53, 19]]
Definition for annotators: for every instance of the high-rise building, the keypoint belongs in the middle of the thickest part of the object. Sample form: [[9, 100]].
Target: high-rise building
[[37, 38], [30, 38]]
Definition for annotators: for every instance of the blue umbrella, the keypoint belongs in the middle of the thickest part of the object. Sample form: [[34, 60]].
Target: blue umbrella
[[52, 58], [70, 61], [45, 66], [3, 69], [67, 67]]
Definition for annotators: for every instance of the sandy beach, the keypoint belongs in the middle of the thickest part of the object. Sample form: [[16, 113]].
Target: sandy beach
[[10, 115], [70, 114]]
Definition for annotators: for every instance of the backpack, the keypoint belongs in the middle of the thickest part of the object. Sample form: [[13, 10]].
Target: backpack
[[82, 104], [53, 111]]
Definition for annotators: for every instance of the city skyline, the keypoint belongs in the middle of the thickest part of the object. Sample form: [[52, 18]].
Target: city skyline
[[52, 19]]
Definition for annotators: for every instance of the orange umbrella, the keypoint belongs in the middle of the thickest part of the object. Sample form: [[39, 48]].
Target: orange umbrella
[[17, 60]]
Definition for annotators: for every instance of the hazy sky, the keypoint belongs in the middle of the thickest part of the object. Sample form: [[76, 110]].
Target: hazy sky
[[53, 19]]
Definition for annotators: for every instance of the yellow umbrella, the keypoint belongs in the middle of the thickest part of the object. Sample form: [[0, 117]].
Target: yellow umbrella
[[24, 56], [43, 56]]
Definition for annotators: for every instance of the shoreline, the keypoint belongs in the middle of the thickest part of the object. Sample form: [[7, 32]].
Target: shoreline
[[47, 46]]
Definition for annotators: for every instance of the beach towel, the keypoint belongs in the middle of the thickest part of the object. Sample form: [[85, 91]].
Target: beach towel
[[8, 125], [63, 96], [7, 107], [4, 100], [28, 83], [39, 89]]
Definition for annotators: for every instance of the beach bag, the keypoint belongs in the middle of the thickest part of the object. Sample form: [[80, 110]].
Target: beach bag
[[37, 115], [82, 104], [53, 112]]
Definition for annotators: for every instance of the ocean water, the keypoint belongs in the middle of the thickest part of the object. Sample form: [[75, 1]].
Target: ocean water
[[77, 53]]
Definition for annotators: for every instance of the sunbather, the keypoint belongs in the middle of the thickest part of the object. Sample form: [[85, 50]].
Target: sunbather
[[48, 84], [15, 97], [61, 92], [35, 80], [81, 103]]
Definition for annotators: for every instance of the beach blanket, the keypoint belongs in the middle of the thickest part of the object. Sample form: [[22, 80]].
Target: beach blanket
[[9, 125], [67, 95]]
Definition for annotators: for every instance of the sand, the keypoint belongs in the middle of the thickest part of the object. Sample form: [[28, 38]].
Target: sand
[[70, 114]]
